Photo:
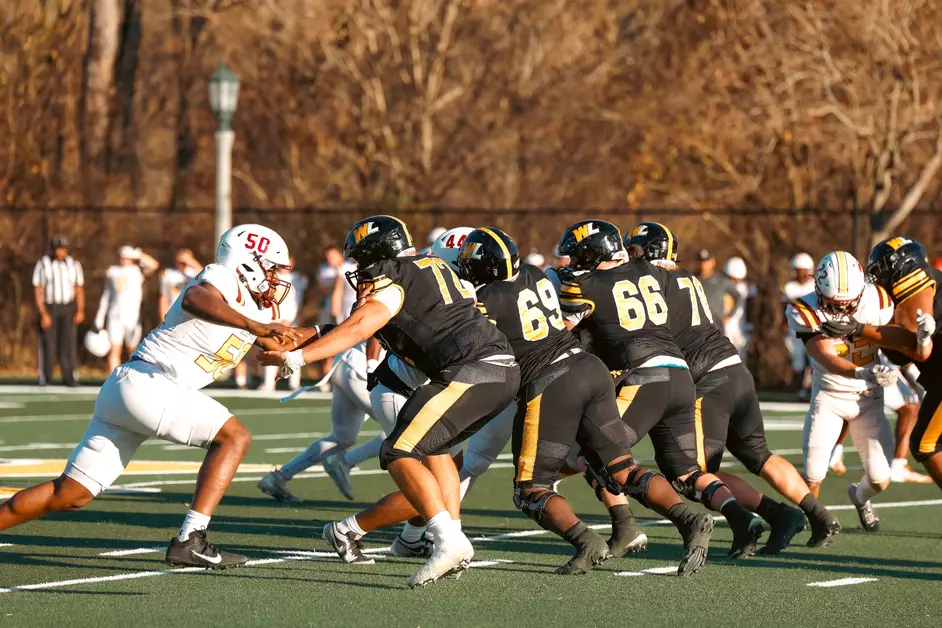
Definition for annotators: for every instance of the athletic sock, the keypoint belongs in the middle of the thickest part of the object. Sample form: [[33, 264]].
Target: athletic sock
[[898, 465], [411, 533], [735, 513], [678, 513], [576, 534], [812, 508], [623, 521], [836, 454], [768, 508], [441, 526], [191, 523], [865, 491], [350, 525]]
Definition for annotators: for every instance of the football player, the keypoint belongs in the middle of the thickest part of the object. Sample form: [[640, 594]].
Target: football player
[[848, 378], [156, 394], [901, 267], [566, 396], [424, 314], [802, 283], [621, 305], [727, 406]]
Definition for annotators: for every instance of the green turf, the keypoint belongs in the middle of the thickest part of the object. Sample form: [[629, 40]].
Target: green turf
[[906, 558]]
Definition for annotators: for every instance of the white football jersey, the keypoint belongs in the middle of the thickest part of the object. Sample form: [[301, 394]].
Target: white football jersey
[[793, 290], [193, 352], [291, 306], [173, 282], [124, 286], [805, 317]]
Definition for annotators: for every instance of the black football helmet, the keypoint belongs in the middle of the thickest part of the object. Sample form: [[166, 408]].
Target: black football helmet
[[488, 254], [588, 243], [894, 259], [374, 239], [657, 241]]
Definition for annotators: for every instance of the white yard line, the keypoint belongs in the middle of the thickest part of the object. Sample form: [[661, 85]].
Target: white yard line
[[6, 544], [843, 582], [244, 412], [134, 552], [92, 391]]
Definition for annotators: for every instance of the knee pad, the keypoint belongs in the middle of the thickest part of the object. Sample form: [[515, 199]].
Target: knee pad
[[707, 495], [531, 503], [604, 479], [688, 487], [637, 485]]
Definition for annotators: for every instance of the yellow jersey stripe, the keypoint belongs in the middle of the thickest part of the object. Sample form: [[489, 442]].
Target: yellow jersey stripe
[[429, 415], [626, 397], [909, 280], [698, 427], [930, 438], [503, 249], [526, 462]]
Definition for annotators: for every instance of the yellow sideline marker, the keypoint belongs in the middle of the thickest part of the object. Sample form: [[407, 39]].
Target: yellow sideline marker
[[36, 468]]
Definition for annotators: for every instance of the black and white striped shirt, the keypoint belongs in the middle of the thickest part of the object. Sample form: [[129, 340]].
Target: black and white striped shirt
[[58, 279]]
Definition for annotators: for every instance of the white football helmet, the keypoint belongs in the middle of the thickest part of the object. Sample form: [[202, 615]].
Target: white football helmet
[[839, 283], [802, 261], [448, 244], [435, 234], [735, 268], [97, 343], [256, 253]]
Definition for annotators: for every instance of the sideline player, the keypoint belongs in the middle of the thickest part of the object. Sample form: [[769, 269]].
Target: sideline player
[[119, 310], [801, 283], [848, 378], [230, 306], [621, 305], [901, 267], [727, 404], [566, 397], [424, 314]]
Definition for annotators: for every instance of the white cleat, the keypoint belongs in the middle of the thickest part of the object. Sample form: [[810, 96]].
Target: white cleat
[[276, 485], [906, 474], [450, 558], [339, 471]]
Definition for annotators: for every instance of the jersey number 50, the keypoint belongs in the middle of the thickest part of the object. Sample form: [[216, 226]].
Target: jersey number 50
[[632, 313], [229, 354], [533, 319]]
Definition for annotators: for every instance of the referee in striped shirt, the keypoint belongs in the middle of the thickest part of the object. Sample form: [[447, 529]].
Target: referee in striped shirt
[[59, 287]]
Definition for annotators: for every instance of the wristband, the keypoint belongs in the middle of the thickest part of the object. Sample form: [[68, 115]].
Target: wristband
[[294, 360]]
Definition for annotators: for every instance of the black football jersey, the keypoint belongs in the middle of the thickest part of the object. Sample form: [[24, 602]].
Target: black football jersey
[[526, 310], [930, 371], [437, 325], [697, 336], [624, 312]]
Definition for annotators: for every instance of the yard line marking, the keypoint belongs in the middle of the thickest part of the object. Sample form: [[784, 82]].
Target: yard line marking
[[266, 412], [11, 405], [490, 563], [6, 544], [134, 552], [629, 573], [661, 570], [92, 391], [307, 553], [843, 582], [123, 576]]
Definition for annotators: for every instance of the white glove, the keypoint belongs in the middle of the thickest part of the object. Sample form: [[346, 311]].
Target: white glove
[[293, 363], [925, 328], [878, 374], [372, 365]]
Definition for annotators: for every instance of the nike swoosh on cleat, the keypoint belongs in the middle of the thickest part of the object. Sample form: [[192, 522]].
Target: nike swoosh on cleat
[[210, 559]]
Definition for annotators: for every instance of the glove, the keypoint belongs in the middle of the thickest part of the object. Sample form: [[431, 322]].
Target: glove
[[925, 328], [293, 363], [878, 374], [841, 329]]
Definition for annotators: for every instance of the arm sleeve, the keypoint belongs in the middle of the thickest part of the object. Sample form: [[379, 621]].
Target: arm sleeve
[[573, 301], [225, 281], [39, 277]]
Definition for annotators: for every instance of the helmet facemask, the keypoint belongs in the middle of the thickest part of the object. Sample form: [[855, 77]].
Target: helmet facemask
[[839, 308], [272, 289]]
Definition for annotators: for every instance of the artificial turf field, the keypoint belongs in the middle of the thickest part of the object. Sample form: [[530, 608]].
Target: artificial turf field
[[103, 566]]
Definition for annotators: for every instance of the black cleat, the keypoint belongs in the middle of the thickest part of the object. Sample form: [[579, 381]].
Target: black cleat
[[591, 553], [196, 551], [696, 530], [348, 547], [823, 530], [627, 542], [746, 535], [785, 524]]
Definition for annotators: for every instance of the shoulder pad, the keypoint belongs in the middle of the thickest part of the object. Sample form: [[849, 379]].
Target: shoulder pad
[[802, 317], [911, 285]]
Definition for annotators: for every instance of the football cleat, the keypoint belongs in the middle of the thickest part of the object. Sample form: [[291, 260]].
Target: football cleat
[[869, 520], [746, 539], [450, 558], [591, 553], [339, 471], [785, 524], [196, 551], [696, 530], [823, 531], [631, 541], [348, 547], [411, 549], [276, 485], [906, 474]]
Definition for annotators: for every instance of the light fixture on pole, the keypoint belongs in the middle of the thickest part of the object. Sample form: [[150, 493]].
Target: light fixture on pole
[[223, 98]]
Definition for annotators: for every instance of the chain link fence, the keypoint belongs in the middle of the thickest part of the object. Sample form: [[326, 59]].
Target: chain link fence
[[766, 239]]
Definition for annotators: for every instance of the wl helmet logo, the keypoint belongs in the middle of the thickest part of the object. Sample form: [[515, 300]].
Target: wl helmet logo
[[584, 231], [364, 230], [472, 250]]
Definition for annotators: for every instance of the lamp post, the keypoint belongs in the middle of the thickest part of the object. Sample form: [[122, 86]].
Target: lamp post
[[223, 98]]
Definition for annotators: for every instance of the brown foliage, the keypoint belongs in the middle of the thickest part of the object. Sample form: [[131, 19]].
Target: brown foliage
[[448, 104]]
